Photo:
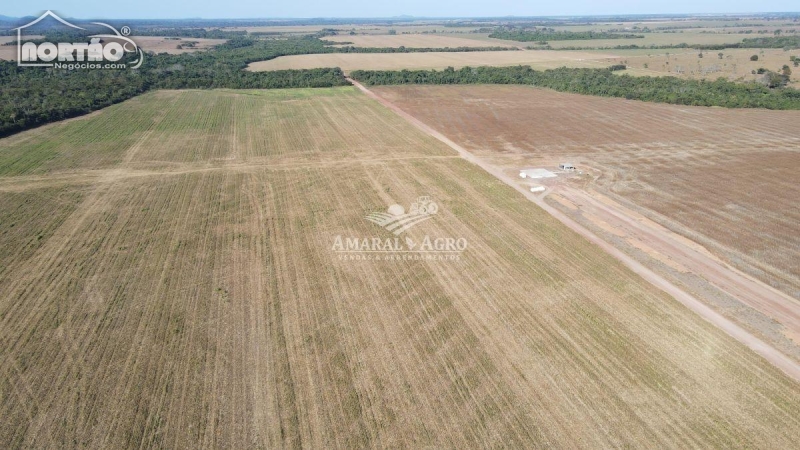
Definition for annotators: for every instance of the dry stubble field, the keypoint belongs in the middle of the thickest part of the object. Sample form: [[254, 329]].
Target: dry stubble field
[[728, 176], [436, 60], [160, 44], [167, 279], [734, 65], [413, 40]]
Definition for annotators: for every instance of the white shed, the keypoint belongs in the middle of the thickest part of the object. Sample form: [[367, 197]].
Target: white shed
[[536, 173]]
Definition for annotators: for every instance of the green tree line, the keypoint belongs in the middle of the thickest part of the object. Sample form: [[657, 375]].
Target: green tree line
[[601, 82], [544, 36]]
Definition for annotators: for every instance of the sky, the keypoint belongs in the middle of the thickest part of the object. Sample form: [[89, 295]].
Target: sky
[[216, 9]]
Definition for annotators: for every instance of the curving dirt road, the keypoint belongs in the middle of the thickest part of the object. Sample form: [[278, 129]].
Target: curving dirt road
[[731, 281]]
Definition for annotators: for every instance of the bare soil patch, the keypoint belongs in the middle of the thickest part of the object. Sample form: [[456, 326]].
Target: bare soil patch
[[722, 178]]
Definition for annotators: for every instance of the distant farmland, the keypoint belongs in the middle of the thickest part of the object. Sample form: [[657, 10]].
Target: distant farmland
[[413, 40], [434, 60], [167, 280], [657, 39]]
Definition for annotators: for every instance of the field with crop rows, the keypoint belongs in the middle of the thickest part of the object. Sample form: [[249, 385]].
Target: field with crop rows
[[728, 176], [170, 129], [180, 290]]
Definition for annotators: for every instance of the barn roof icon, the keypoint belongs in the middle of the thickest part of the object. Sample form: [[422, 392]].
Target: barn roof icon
[[46, 14]]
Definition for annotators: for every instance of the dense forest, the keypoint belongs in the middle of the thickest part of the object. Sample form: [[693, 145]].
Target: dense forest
[[544, 35], [602, 82]]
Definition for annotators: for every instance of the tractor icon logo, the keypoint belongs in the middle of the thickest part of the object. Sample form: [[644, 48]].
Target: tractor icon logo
[[396, 220], [424, 205]]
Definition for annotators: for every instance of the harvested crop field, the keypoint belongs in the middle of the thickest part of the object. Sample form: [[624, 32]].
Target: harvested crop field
[[170, 45], [655, 39], [433, 60], [182, 291], [413, 41], [726, 178], [734, 64], [178, 130]]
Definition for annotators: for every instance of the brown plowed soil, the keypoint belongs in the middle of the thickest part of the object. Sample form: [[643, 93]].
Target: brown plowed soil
[[724, 178]]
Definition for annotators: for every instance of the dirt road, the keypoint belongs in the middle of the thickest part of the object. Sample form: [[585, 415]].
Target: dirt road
[[783, 362], [756, 294]]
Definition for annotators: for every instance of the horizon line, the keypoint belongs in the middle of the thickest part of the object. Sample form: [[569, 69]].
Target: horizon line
[[412, 17]]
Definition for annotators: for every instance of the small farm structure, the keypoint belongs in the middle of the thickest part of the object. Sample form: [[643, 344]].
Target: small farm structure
[[536, 173]]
